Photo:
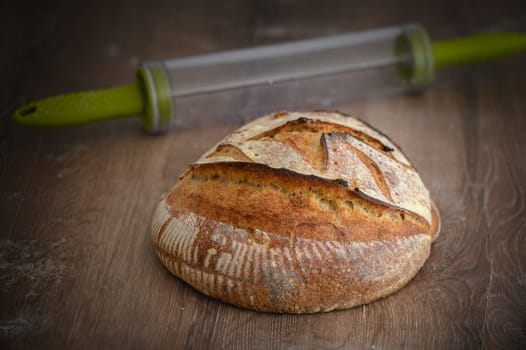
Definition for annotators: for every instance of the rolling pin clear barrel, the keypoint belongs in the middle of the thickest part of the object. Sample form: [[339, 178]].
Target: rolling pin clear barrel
[[235, 86], [305, 74]]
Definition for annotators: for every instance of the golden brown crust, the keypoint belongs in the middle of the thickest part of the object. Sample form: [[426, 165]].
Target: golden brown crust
[[248, 195], [298, 212]]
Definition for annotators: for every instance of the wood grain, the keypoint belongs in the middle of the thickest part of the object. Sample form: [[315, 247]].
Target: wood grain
[[77, 268]]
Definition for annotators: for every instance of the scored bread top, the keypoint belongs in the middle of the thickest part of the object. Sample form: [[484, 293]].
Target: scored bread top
[[330, 146]]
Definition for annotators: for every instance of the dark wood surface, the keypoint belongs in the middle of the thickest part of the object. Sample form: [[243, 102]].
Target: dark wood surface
[[77, 269]]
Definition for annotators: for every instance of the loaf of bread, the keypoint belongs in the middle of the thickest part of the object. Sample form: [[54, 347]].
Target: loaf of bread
[[299, 213]]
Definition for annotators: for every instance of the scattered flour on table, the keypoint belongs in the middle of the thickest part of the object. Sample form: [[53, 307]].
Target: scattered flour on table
[[29, 270], [66, 162], [31, 266], [17, 326]]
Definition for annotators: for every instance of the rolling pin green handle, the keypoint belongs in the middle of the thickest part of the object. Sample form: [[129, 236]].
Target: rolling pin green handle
[[82, 107], [477, 48]]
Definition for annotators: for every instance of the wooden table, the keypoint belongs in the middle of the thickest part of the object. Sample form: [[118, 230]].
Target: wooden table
[[77, 268]]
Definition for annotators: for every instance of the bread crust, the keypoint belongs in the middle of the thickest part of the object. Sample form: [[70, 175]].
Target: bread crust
[[298, 213]]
